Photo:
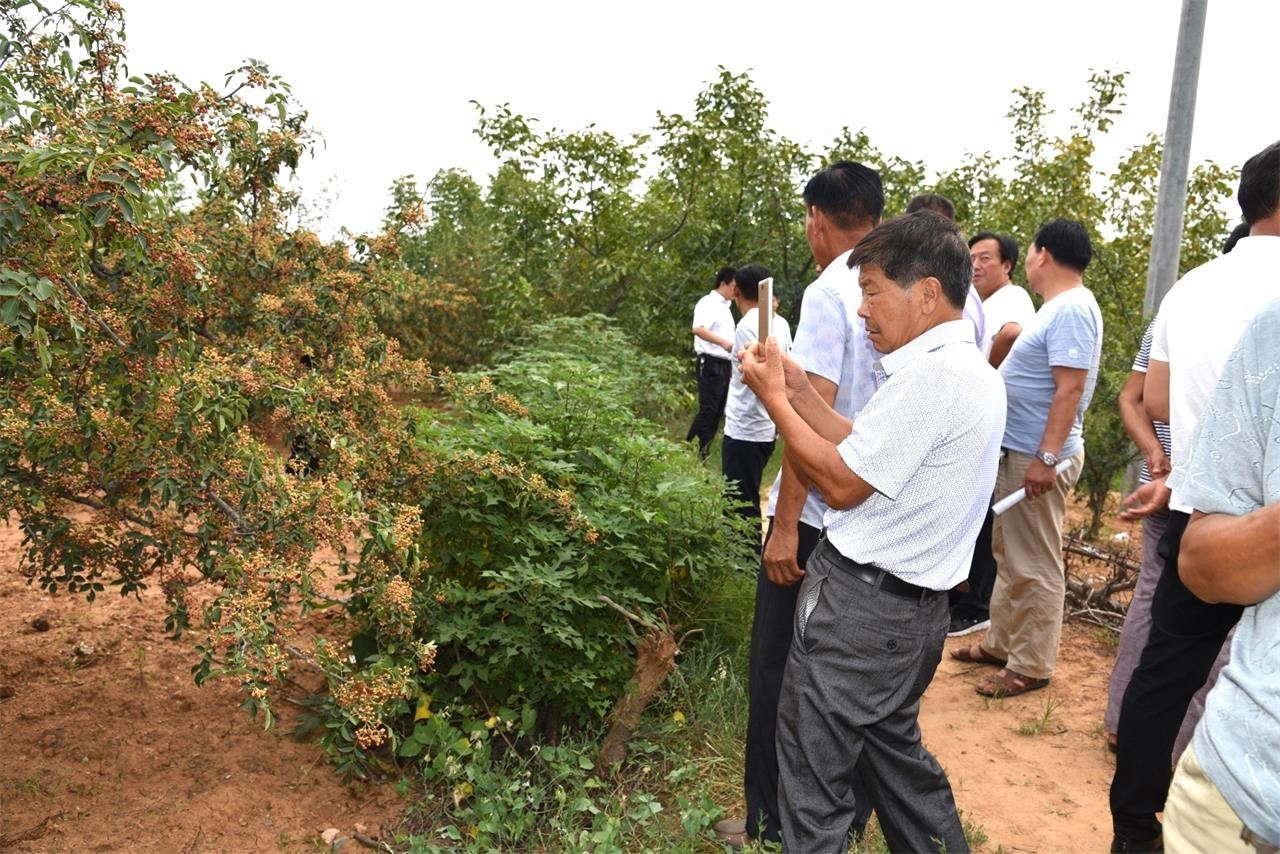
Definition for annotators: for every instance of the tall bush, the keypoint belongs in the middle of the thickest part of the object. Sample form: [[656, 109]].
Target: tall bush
[[524, 624]]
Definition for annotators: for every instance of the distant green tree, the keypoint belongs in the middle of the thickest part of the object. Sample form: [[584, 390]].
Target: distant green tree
[[585, 222], [1047, 176]]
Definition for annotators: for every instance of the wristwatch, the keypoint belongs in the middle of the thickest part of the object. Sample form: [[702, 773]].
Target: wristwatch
[[1047, 458]]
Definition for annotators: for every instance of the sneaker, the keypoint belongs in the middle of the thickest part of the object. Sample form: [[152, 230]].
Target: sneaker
[[961, 626]]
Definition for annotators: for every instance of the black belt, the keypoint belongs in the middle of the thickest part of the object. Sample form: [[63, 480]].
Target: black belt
[[877, 577]]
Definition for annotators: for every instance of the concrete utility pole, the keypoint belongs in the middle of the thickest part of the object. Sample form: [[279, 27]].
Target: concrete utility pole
[[1166, 242]]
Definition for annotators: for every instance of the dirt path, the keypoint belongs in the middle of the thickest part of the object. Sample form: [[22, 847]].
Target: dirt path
[[106, 745], [1044, 791]]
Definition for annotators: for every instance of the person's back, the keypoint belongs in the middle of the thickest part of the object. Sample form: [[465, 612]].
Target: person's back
[[749, 433], [1199, 321], [1232, 471], [745, 417]]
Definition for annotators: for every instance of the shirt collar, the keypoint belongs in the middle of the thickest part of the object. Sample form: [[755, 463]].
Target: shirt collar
[[951, 332], [724, 299]]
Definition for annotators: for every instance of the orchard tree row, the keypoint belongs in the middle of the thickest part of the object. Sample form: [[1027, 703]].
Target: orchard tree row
[[574, 221]]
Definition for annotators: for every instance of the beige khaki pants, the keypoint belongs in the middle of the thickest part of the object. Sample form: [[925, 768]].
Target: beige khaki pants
[[1198, 819], [1027, 602]]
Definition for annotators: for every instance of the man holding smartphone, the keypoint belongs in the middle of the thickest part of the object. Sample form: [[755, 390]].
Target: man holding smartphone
[[843, 203]]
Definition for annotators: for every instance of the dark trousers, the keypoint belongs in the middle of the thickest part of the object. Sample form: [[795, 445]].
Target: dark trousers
[[1186, 636], [975, 603], [743, 465], [860, 660], [713, 389], [770, 643]]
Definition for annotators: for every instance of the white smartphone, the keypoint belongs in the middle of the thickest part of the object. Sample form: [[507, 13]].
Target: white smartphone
[[765, 309]]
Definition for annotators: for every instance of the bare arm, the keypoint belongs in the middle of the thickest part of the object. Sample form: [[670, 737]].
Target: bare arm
[[1232, 558], [1068, 387], [814, 458], [707, 335], [815, 408], [780, 563], [1138, 424], [1155, 391], [1002, 343]]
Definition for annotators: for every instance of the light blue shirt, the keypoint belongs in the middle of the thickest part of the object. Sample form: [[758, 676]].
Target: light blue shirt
[[1233, 467], [1066, 333]]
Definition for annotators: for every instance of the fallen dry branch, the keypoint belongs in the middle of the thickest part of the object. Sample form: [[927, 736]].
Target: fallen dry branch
[[1093, 598], [656, 652], [9, 839]]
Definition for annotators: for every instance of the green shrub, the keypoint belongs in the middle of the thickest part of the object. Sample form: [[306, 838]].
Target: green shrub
[[547, 491], [523, 624]]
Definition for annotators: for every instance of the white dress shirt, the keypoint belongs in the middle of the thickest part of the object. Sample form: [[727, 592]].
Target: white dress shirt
[[745, 417], [712, 311], [1010, 304], [928, 442]]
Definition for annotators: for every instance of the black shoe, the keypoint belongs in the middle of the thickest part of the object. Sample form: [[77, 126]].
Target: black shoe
[[1125, 844], [961, 626]]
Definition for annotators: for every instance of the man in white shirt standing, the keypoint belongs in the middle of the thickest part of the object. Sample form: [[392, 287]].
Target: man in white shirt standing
[[842, 204], [1006, 309], [749, 434], [908, 481], [713, 348], [1199, 321]]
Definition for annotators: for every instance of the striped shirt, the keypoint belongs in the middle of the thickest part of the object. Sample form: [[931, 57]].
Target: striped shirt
[[1140, 363]]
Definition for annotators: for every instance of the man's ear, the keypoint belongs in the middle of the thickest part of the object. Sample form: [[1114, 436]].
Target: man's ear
[[931, 294]]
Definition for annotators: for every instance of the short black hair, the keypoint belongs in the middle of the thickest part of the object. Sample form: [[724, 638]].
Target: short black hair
[[933, 202], [1008, 246], [910, 247], [1067, 241], [1259, 193], [724, 274], [848, 193], [748, 280], [1241, 230]]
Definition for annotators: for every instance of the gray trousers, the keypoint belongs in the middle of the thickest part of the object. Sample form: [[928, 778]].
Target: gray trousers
[[860, 661]]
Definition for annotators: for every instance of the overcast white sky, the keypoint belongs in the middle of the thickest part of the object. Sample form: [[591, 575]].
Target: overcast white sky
[[388, 84]]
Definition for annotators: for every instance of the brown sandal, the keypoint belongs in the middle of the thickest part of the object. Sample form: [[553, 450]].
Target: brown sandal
[[1008, 683], [975, 654]]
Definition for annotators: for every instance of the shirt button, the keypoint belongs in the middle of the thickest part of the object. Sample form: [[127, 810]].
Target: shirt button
[[891, 645]]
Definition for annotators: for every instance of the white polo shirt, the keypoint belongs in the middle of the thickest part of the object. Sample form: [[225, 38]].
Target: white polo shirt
[[712, 311], [1010, 304], [1199, 322], [928, 442], [976, 313], [745, 417]]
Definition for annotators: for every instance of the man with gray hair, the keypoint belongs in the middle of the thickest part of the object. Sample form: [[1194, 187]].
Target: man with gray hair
[[908, 482]]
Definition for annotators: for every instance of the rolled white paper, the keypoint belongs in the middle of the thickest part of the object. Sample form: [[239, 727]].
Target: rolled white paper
[[1020, 493]]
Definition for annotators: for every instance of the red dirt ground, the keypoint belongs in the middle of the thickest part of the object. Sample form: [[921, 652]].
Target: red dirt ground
[[117, 749]]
